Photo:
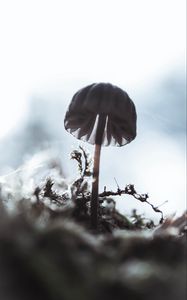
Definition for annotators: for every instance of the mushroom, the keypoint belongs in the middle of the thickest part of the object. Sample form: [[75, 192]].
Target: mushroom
[[101, 114]]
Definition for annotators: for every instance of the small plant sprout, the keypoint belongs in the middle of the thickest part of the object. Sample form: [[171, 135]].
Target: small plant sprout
[[101, 114]]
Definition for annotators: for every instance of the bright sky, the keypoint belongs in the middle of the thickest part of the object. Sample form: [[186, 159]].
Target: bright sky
[[47, 44], [48, 41]]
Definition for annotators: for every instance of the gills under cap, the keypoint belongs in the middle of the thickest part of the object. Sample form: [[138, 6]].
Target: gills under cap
[[102, 99]]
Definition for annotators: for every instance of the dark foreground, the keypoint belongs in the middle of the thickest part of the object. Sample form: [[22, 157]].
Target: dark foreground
[[49, 252]]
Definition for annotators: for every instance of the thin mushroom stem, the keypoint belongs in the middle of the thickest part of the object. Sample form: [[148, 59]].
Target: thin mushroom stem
[[95, 184]]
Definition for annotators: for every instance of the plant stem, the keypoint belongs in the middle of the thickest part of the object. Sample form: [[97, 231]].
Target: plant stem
[[95, 183]]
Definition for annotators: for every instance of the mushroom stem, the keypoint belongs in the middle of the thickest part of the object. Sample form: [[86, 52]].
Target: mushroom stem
[[95, 183]]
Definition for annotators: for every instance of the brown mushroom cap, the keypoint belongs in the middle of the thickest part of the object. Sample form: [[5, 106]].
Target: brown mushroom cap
[[102, 99]]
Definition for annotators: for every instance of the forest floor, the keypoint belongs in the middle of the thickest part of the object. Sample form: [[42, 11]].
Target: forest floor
[[48, 250]]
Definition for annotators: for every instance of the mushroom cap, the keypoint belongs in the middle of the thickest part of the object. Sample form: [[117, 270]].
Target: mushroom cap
[[105, 99]]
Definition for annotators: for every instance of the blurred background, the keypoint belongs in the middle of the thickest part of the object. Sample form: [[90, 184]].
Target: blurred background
[[52, 48]]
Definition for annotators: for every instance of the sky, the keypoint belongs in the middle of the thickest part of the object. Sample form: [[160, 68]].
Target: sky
[[59, 46], [127, 42]]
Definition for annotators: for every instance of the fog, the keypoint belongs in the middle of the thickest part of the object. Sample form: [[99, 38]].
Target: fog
[[53, 48]]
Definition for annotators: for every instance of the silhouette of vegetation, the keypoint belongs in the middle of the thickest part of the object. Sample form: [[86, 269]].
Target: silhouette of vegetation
[[48, 249]]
